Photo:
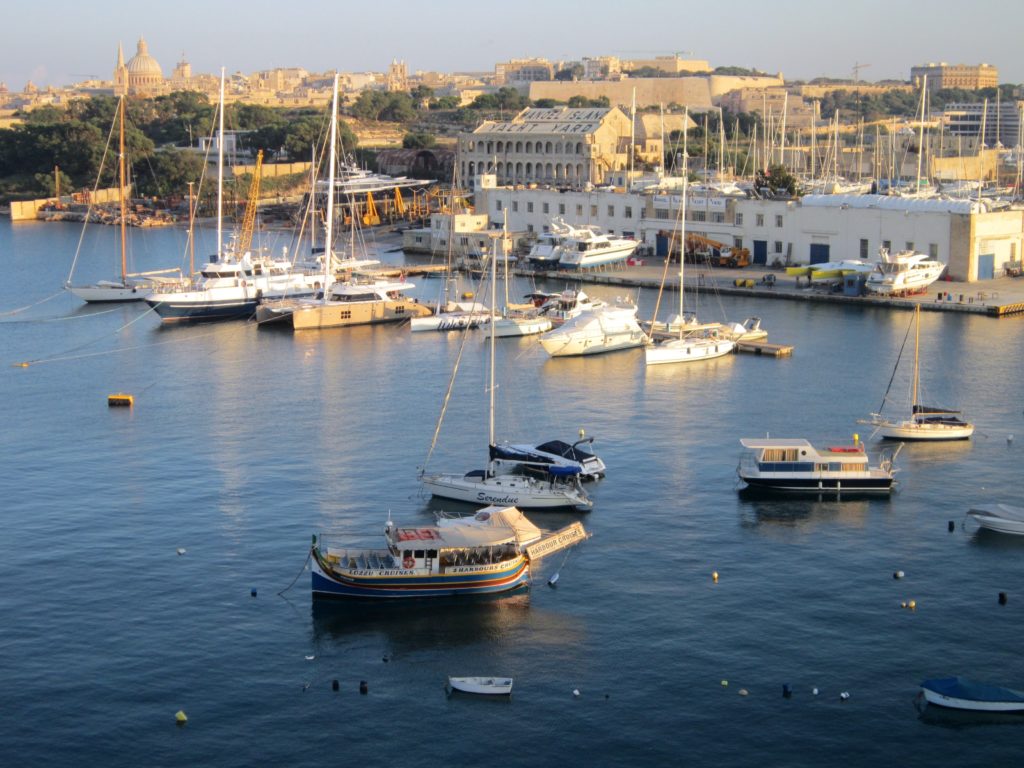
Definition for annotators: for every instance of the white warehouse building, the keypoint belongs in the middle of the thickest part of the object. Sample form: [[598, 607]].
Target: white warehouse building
[[975, 241]]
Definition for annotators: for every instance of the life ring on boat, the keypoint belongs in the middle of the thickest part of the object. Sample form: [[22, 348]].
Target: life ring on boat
[[408, 562]]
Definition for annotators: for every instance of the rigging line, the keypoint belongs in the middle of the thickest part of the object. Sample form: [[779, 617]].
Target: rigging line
[[29, 306], [299, 574], [896, 367], [92, 197], [64, 356]]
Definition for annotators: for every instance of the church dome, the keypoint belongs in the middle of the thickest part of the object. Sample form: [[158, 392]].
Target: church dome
[[142, 64]]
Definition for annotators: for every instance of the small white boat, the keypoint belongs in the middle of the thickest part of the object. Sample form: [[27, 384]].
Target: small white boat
[[488, 686], [960, 693], [1000, 517]]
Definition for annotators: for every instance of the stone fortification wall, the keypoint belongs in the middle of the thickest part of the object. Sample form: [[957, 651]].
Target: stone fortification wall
[[694, 92]]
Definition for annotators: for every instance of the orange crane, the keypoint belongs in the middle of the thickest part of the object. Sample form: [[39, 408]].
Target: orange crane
[[249, 220], [717, 253]]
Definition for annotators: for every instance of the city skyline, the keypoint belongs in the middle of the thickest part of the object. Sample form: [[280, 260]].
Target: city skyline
[[62, 42]]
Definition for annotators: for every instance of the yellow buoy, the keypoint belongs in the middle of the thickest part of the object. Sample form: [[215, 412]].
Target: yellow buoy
[[912, 605], [714, 576], [120, 399], [725, 683], [180, 716]]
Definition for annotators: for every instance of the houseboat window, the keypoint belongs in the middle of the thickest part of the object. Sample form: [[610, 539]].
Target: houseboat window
[[432, 553], [406, 553], [419, 553]]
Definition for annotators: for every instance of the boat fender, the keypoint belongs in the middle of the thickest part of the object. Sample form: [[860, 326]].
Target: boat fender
[[408, 562], [334, 685], [1002, 598], [363, 687]]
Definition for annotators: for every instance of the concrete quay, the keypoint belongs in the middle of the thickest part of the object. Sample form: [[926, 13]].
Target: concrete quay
[[1000, 297]]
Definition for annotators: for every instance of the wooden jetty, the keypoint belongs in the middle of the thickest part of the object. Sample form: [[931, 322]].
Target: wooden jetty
[[764, 348]]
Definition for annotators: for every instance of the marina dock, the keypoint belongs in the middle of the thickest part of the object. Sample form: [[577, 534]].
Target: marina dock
[[1001, 297]]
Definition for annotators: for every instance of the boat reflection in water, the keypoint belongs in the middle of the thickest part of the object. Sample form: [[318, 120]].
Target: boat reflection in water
[[772, 508]]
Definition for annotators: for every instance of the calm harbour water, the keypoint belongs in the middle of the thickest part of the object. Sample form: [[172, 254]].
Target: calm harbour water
[[243, 443]]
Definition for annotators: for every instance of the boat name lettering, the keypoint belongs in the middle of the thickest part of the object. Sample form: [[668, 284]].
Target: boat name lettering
[[497, 499]]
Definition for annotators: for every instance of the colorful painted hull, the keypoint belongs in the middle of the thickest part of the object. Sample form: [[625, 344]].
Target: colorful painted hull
[[397, 584]]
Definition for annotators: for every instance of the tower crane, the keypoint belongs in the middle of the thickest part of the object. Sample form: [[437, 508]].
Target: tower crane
[[249, 220]]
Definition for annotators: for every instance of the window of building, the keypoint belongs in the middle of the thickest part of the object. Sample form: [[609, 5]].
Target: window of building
[[544, 208], [628, 212], [718, 217], [515, 206], [759, 221], [579, 209], [910, 245], [529, 227], [529, 207], [887, 244], [561, 208], [739, 219], [661, 213], [778, 246], [778, 220], [863, 248], [933, 250], [737, 242], [697, 216], [593, 211], [611, 211], [497, 205]]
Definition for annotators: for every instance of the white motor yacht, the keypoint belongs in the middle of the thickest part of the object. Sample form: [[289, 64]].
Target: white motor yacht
[[603, 329]]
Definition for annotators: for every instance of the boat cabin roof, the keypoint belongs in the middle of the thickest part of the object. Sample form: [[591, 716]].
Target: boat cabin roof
[[762, 443], [489, 527]]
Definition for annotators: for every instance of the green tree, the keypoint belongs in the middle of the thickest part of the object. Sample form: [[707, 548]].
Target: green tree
[[421, 94], [571, 73], [169, 171], [777, 179], [445, 102], [418, 141]]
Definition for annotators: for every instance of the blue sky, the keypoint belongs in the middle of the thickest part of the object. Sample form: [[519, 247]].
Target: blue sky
[[60, 41]]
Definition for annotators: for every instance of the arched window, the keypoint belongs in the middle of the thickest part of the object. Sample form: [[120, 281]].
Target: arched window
[[529, 147], [559, 172], [519, 147], [558, 148], [549, 171], [472, 169], [529, 170], [490, 147], [579, 148], [547, 148], [500, 147]]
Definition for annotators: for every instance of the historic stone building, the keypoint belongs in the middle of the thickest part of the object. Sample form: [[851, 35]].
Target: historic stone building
[[563, 147], [966, 76], [141, 76]]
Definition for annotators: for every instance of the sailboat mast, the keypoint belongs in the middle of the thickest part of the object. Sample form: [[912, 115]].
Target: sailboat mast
[[124, 207], [682, 222], [329, 232], [917, 343], [220, 170], [494, 295], [920, 132]]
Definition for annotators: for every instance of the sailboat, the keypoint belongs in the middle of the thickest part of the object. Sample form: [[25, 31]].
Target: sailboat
[[692, 342], [924, 422], [131, 286], [233, 283], [449, 314], [348, 302], [559, 487], [516, 319]]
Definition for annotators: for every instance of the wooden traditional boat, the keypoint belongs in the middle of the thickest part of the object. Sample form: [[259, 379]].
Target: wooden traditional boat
[[488, 553], [960, 693], [487, 686]]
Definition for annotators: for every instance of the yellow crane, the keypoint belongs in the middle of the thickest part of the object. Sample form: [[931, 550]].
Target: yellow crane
[[249, 220]]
